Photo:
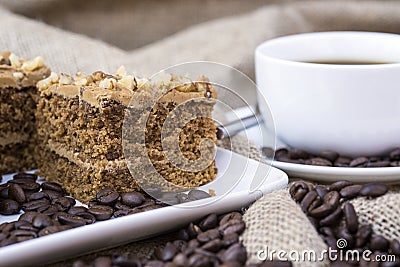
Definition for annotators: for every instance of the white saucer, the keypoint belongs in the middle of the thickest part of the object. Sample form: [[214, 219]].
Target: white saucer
[[240, 181], [333, 174]]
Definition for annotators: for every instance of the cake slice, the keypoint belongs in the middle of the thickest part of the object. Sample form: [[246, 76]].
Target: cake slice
[[18, 99], [80, 124]]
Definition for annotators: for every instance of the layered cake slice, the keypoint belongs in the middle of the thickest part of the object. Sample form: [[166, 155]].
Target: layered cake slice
[[80, 124], [18, 99]]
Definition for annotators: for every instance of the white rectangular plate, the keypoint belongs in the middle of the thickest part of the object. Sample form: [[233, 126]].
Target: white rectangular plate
[[240, 181]]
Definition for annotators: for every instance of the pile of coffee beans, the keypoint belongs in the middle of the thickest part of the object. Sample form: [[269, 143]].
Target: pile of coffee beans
[[47, 208], [211, 241], [333, 159], [327, 206]]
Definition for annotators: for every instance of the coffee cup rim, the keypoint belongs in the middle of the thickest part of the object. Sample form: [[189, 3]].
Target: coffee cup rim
[[264, 49]]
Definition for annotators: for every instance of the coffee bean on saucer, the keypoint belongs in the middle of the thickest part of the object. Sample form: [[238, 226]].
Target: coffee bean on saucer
[[53, 187], [16, 193], [101, 212], [320, 162], [298, 154], [9, 207], [373, 190], [107, 196], [71, 220], [132, 199], [378, 164], [395, 154], [329, 155], [24, 175]]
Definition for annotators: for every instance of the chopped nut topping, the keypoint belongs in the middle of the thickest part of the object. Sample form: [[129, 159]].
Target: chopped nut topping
[[33, 64], [18, 75], [65, 79], [108, 83], [15, 60], [45, 83], [121, 71]]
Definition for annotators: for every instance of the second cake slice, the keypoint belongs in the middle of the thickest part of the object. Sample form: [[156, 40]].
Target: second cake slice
[[80, 123]]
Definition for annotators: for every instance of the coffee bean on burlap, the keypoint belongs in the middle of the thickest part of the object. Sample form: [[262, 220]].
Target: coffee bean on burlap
[[350, 217], [373, 190], [339, 185], [209, 222], [379, 243], [332, 219], [395, 247], [350, 191]]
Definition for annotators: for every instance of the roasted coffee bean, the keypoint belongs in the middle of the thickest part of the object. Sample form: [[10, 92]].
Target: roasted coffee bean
[[37, 196], [350, 191], [23, 175], [77, 209], [181, 260], [119, 206], [376, 164], [8, 227], [342, 162], [373, 190], [307, 200], [330, 203], [53, 187], [359, 162], [8, 241], [213, 245], [107, 196], [170, 198], [198, 260], [193, 243], [281, 153], [232, 226], [124, 261], [182, 198], [196, 194], [345, 234], [193, 230], [62, 203], [208, 236], [180, 244], [9, 207], [339, 185], [326, 231], [209, 222], [229, 217], [18, 233], [35, 204], [48, 210], [229, 239], [101, 212], [102, 262], [51, 194], [4, 191], [28, 216], [183, 235], [23, 225], [379, 243], [16, 193], [395, 247], [329, 155], [298, 154], [395, 154], [321, 191], [53, 229], [88, 217], [71, 220], [167, 253], [350, 217], [235, 252], [40, 221], [320, 162], [298, 190], [332, 219], [120, 213], [58, 214]]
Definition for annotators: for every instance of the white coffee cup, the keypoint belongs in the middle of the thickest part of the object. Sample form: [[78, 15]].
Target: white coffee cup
[[352, 109]]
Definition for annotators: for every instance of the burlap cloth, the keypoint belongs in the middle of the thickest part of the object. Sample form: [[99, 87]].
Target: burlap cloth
[[275, 220]]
